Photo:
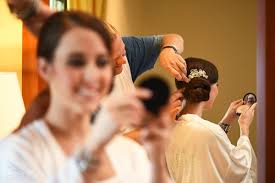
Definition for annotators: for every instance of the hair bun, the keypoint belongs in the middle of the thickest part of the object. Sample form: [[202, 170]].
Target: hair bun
[[197, 90]]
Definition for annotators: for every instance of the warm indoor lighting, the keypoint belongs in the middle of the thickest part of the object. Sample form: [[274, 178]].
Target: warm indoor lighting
[[11, 103]]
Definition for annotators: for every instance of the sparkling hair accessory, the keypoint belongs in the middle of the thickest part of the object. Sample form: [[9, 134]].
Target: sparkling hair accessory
[[195, 73]]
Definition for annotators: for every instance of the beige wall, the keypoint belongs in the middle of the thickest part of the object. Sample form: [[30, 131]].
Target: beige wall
[[221, 31], [10, 42]]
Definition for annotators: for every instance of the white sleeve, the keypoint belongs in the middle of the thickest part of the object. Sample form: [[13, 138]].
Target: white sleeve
[[69, 173], [239, 160], [141, 164], [18, 164], [243, 160]]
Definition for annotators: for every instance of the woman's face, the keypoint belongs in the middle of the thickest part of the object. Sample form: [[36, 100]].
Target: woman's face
[[81, 71], [212, 96]]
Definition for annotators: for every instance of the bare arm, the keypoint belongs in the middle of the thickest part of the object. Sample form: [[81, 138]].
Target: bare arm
[[173, 40], [34, 11]]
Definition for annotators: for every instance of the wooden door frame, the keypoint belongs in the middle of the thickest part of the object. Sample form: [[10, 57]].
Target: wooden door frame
[[31, 82], [266, 90]]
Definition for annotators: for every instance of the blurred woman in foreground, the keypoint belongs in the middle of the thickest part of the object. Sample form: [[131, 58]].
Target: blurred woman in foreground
[[74, 51]]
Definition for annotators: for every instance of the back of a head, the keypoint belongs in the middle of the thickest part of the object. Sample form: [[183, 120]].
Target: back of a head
[[61, 22], [202, 75]]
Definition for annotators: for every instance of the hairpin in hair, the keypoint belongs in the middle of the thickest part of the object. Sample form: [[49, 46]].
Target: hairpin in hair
[[195, 73]]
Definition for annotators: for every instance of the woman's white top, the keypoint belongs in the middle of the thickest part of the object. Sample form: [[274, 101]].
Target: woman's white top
[[199, 151], [33, 156]]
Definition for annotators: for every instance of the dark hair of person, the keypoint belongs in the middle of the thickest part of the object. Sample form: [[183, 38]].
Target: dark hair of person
[[37, 108], [198, 88], [61, 22]]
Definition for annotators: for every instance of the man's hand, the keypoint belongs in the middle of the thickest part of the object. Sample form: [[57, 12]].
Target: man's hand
[[173, 63]]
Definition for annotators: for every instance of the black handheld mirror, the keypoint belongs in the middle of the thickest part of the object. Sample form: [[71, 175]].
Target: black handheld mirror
[[161, 93], [248, 100]]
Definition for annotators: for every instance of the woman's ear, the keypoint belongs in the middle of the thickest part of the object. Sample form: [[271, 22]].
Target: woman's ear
[[44, 68]]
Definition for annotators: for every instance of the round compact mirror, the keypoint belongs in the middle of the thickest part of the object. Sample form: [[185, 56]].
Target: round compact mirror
[[248, 100]]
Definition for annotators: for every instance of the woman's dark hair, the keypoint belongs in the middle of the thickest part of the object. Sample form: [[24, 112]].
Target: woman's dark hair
[[61, 22], [198, 88], [37, 108]]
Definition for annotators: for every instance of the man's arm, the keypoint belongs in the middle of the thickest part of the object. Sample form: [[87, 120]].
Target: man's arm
[[33, 13], [142, 53], [173, 40]]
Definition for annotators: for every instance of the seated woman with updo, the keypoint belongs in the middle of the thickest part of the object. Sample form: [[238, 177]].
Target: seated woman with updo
[[74, 58], [199, 151]]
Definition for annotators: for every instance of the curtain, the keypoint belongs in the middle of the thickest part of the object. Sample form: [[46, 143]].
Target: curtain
[[96, 7]]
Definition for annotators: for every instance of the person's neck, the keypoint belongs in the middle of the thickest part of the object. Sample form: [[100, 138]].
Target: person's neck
[[70, 129], [192, 108]]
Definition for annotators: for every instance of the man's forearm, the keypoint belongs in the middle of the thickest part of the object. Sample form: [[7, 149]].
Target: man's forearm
[[173, 40]]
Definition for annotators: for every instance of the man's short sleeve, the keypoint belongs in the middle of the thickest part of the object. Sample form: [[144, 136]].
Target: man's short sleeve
[[142, 53]]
